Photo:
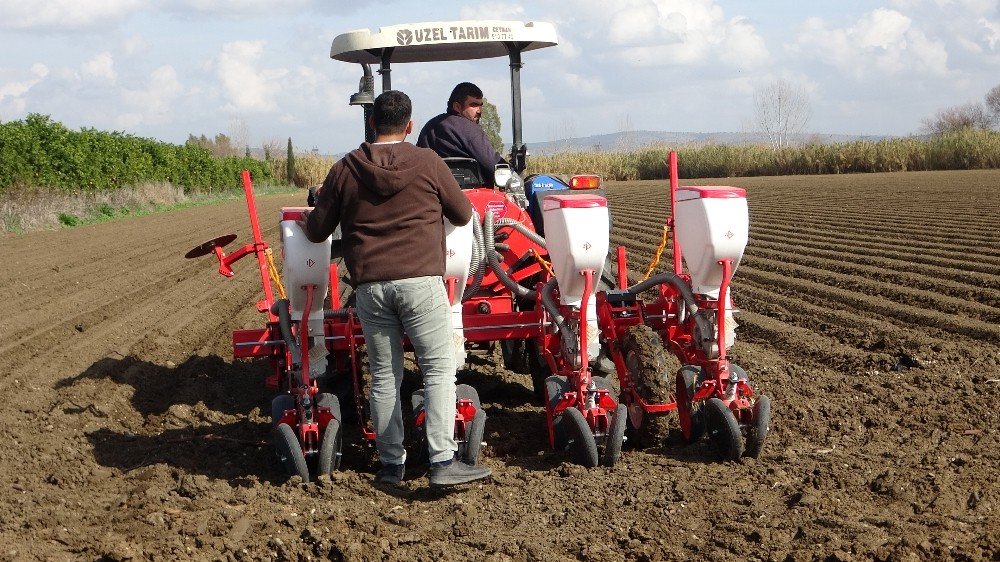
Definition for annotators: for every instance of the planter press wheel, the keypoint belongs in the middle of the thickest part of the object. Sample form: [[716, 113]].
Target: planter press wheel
[[647, 365], [468, 452], [616, 436], [279, 404], [582, 441], [760, 427], [208, 247], [554, 386], [689, 414], [723, 430], [286, 444], [332, 442]]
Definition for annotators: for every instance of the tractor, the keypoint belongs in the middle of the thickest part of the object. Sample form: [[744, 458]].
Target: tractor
[[535, 280]]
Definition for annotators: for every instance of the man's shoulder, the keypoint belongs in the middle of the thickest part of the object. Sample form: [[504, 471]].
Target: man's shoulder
[[421, 153]]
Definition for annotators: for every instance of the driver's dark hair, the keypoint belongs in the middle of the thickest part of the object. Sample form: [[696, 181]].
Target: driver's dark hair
[[391, 112], [462, 91]]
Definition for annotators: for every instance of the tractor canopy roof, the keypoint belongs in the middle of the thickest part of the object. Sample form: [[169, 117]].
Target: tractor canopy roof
[[442, 41]]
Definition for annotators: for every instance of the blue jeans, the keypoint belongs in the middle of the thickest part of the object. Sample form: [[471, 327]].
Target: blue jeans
[[419, 308]]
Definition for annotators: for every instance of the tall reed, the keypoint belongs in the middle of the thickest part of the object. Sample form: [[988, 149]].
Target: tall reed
[[961, 150]]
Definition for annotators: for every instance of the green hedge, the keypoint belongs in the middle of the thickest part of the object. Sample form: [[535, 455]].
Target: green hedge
[[38, 152], [967, 149]]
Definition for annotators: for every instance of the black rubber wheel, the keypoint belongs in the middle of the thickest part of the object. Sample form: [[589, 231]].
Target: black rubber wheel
[[279, 404], [538, 369], [553, 390], [582, 441], [416, 440], [689, 414], [761, 426], [616, 436], [723, 430], [328, 400], [647, 364], [290, 452], [332, 441], [468, 452], [515, 355]]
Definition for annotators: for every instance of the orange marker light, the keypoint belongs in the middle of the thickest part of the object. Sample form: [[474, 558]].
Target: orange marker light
[[585, 182]]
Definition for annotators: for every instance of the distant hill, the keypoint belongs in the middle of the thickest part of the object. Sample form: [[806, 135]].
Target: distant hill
[[633, 140]]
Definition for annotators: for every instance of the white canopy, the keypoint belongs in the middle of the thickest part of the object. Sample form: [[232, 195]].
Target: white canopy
[[442, 41]]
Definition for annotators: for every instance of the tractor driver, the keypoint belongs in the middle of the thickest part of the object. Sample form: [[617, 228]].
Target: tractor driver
[[390, 199], [457, 132]]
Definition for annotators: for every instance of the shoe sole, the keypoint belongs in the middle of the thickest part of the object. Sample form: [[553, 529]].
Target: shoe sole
[[457, 482]]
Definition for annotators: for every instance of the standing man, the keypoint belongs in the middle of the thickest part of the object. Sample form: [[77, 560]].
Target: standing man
[[390, 198], [456, 132]]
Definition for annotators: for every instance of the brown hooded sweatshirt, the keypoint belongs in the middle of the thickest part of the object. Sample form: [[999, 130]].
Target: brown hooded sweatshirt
[[389, 200]]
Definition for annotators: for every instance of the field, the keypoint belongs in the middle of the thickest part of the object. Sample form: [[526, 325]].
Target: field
[[870, 314]]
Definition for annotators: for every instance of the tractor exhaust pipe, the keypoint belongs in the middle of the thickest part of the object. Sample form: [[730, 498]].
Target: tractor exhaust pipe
[[365, 97]]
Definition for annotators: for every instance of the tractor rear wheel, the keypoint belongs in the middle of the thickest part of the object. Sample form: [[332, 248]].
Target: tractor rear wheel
[[761, 426], [331, 444], [582, 441], [647, 364], [723, 430], [689, 414], [290, 451], [515, 356], [468, 452]]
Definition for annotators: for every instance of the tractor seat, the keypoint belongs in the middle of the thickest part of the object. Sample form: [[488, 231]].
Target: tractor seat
[[467, 172]]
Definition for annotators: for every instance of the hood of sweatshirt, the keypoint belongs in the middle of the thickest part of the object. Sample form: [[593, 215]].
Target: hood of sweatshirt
[[384, 168]]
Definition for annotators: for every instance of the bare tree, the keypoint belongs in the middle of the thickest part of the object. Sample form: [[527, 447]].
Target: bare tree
[[993, 104], [968, 116], [271, 147], [239, 135], [781, 110]]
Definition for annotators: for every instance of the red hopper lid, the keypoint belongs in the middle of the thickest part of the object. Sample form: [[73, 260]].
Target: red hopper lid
[[573, 201], [293, 213], [687, 192]]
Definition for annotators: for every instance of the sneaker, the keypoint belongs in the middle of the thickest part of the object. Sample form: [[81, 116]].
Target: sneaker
[[450, 473], [391, 474]]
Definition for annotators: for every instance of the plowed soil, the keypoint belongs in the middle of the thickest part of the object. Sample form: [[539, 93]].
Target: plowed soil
[[870, 311]]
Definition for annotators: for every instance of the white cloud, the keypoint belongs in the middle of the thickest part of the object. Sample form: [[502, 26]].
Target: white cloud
[[154, 103], [237, 8], [13, 92], [662, 32], [102, 66], [135, 44], [882, 42], [248, 88], [992, 33], [498, 11], [64, 14], [972, 25]]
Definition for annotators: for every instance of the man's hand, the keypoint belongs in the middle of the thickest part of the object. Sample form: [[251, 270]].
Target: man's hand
[[305, 217]]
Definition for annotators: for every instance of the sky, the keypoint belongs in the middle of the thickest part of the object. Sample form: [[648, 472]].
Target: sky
[[260, 72]]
